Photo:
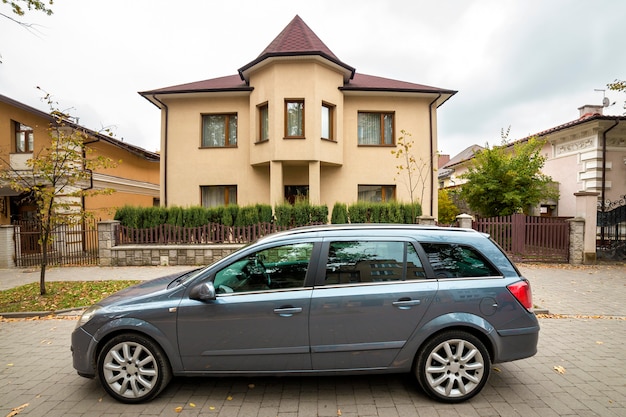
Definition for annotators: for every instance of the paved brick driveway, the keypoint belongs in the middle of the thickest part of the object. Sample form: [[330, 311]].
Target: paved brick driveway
[[35, 369]]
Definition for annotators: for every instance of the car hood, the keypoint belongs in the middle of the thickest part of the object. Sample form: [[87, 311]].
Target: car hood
[[144, 289]]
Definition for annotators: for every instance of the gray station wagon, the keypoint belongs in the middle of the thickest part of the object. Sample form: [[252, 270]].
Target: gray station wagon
[[441, 303]]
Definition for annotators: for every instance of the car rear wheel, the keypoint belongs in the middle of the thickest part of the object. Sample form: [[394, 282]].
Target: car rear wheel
[[453, 366], [133, 368]]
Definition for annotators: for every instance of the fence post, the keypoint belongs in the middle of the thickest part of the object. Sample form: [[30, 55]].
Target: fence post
[[106, 240], [576, 240], [587, 209], [465, 221], [426, 220], [7, 246]]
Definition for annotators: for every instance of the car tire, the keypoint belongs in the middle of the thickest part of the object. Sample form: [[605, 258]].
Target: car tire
[[453, 366], [133, 368]]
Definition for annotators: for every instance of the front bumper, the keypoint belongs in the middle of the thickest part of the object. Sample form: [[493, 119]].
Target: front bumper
[[83, 353]]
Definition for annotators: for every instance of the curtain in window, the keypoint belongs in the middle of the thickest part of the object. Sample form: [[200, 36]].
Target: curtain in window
[[232, 130], [213, 196], [326, 122], [295, 117], [214, 130], [369, 129], [264, 115], [388, 120]]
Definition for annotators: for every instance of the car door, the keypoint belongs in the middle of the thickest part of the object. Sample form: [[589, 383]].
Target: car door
[[259, 318], [369, 301]]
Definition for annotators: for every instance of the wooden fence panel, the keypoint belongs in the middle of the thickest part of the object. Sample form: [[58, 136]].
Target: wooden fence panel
[[529, 238]]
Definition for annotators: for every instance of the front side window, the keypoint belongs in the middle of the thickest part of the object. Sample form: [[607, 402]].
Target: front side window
[[276, 268], [375, 261], [294, 118], [376, 129], [264, 130], [377, 193], [451, 260], [328, 121], [24, 138], [218, 195], [219, 130]]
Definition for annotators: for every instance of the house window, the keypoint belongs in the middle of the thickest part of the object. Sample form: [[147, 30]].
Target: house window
[[219, 130], [218, 195], [376, 128], [294, 118], [24, 138], [377, 193], [295, 192], [264, 132], [328, 121]]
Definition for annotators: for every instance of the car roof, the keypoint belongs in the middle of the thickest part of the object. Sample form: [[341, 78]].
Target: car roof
[[374, 229]]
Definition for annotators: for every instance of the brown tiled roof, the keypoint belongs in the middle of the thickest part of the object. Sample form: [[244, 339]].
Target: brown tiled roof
[[296, 39], [148, 155], [228, 83], [364, 82]]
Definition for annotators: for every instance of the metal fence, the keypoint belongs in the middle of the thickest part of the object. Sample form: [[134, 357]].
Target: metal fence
[[529, 238], [612, 230], [70, 245]]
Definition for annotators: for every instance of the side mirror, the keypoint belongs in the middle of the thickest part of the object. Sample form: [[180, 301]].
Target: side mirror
[[203, 292]]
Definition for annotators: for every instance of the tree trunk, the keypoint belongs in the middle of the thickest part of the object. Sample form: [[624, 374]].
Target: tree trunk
[[44, 262]]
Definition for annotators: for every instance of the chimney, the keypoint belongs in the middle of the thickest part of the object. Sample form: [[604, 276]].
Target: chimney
[[443, 159], [590, 109]]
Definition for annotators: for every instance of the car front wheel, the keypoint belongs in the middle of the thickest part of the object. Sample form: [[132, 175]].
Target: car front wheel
[[132, 368], [453, 366]]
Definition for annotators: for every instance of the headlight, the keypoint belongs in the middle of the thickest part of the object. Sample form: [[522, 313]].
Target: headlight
[[87, 315]]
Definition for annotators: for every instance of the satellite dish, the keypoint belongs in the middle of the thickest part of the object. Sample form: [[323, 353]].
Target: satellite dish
[[606, 102]]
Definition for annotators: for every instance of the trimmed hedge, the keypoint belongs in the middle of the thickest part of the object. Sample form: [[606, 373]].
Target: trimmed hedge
[[299, 214]]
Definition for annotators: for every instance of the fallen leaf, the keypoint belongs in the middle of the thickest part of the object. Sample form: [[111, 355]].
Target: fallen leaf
[[192, 405], [496, 369], [559, 369], [251, 386], [211, 408], [229, 398], [178, 409], [338, 412], [9, 364], [599, 343], [15, 411]]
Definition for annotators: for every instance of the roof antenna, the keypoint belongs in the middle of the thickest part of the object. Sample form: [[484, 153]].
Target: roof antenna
[[605, 100]]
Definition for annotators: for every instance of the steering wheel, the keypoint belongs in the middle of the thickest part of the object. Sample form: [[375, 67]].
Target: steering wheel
[[260, 266]]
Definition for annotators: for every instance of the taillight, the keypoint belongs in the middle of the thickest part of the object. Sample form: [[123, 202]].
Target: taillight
[[521, 291]]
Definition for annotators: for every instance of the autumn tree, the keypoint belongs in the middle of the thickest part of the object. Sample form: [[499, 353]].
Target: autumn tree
[[19, 8], [505, 179], [413, 171], [447, 210], [56, 179], [618, 85]]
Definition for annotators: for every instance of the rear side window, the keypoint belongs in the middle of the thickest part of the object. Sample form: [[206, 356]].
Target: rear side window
[[372, 261], [450, 260]]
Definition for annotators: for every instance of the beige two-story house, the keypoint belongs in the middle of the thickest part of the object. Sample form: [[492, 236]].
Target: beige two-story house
[[294, 121]]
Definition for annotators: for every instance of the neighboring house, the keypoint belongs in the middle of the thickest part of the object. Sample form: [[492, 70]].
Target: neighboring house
[[24, 132], [296, 120], [587, 154], [449, 174]]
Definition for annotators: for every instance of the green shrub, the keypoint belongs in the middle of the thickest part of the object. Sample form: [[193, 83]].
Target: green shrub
[[358, 212], [319, 214], [284, 214], [339, 214], [265, 213]]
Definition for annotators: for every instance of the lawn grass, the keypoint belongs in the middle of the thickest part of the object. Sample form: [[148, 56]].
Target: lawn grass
[[60, 295]]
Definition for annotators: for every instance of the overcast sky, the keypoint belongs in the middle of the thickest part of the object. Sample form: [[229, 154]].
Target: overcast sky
[[528, 64]]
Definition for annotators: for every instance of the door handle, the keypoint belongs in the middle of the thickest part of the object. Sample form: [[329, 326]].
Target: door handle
[[405, 303], [287, 311]]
